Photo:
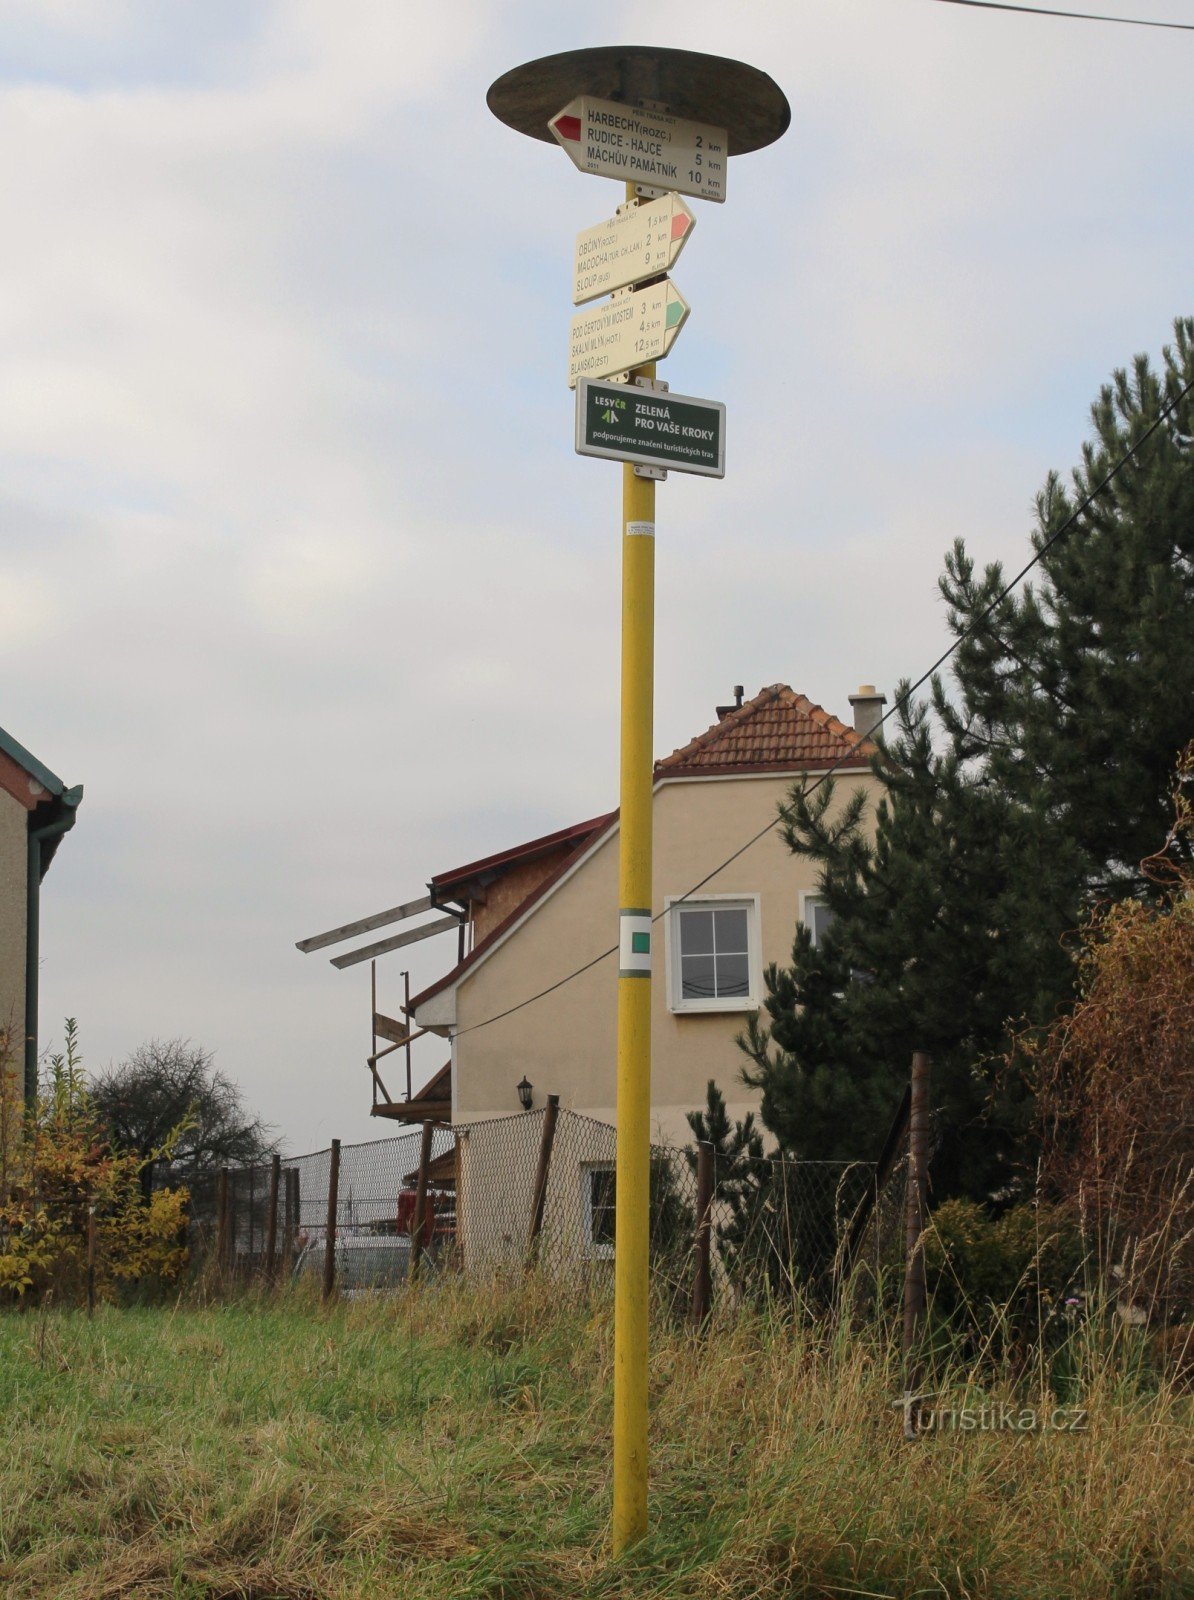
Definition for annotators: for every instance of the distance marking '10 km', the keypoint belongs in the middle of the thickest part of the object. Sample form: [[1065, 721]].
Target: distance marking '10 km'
[[617, 141]]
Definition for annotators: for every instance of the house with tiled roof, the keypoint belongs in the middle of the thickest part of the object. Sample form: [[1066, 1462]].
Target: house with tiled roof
[[539, 922], [36, 809]]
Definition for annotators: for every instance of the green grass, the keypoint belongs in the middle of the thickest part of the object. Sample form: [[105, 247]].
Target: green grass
[[455, 1443]]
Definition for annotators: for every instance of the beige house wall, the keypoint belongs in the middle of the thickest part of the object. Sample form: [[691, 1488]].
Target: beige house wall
[[14, 847], [565, 1043], [496, 1162]]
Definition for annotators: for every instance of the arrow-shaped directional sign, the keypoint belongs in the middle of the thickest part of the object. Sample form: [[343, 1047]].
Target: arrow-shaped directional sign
[[617, 141], [626, 332], [640, 242]]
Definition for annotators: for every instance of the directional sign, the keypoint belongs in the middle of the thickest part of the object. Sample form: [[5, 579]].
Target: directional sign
[[617, 141], [626, 332], [626, 423], [640, 242]]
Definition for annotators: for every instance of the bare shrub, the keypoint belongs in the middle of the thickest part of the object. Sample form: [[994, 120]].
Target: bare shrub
[[1115, 1079]]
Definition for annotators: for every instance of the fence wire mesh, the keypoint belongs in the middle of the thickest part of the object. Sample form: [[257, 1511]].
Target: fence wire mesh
[[539, 1188], [785, 1228]]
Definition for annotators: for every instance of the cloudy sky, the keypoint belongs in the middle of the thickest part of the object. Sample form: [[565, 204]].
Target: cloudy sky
[[299, 574]]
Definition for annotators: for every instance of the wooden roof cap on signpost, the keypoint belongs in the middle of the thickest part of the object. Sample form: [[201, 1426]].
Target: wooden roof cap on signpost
[[747, 103]]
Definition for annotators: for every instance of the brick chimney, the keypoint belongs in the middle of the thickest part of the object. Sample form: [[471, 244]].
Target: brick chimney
[[724, 711], [868, 706]]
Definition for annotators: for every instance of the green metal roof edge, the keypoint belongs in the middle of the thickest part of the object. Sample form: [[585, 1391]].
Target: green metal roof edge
[[31, 764]]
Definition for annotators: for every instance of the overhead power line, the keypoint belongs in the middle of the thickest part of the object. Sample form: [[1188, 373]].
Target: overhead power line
[[902, 700], [1073, 16]]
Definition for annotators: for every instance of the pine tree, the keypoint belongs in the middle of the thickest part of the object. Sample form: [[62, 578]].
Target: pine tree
[[1034, 781], [777, 1223], [1080, 688]]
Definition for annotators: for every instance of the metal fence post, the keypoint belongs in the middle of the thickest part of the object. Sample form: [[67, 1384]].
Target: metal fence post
[[418, 1230], [329, 1245], [701, 1277], [271, 1226], [915, 1291], [252, 1241], [539, 1192], [457, 1254], [222, 1220], [293, 1216], [233, 1220], [91, 1260], [868, 1208]]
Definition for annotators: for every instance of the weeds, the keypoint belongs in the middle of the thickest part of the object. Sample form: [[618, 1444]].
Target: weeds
[[455, 1441]]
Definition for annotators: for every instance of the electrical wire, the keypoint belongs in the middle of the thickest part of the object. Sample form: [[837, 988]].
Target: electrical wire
[[897, 704], [1073, 16]]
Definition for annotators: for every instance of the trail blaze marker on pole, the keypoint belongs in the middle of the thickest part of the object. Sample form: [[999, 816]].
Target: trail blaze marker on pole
[[667, 119], [625, 332], [642, 146]]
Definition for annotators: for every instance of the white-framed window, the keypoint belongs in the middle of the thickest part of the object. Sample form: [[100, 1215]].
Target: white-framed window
[[713, 961], [598, 1207], [815, 914]]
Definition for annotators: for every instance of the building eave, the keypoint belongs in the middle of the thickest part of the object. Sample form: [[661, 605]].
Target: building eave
[[37, 770], [443, 1017]]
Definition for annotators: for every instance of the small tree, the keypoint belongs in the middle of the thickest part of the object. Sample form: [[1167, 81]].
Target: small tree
[[743, 1193], [778, 1220], [170, 1090], [57, 1171]]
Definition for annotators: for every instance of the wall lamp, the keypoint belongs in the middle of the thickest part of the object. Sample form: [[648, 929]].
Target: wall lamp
[[525, 1090]]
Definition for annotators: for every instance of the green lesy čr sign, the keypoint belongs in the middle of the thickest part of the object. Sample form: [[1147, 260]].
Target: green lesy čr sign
[[626, 423]]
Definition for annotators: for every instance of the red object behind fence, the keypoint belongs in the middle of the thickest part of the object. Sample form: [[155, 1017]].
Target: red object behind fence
[[406, 1213]]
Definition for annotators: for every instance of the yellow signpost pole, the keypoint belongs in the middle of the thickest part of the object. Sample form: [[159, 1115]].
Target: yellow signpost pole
[[647, 112], [631, 1282]]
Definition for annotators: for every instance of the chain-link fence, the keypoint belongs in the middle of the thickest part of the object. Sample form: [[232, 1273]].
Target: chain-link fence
[[271, 1220], [540, 1188], [785, 1228]]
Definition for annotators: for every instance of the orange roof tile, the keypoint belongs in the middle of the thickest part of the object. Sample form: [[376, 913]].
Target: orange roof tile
[[778, 730]]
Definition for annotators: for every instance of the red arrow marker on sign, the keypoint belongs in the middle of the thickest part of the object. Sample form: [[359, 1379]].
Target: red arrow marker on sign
[[639, 244], [653, 148]]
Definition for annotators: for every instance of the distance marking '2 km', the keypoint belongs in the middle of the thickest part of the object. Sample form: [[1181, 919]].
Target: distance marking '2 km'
[[641, 242], [617, 141]]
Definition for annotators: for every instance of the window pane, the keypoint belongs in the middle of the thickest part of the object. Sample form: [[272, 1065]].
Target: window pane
[[731, 977], [731, 930], [601, 1207], [697, 977], [819, 919], [696, 933]]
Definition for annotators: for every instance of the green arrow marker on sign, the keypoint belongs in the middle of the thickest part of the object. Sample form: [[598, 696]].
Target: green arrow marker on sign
[[625, 332]]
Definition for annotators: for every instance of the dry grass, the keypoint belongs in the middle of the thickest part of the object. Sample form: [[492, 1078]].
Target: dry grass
[[456, 1443]]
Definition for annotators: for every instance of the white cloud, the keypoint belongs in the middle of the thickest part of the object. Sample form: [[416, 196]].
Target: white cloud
[[321, 600]]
